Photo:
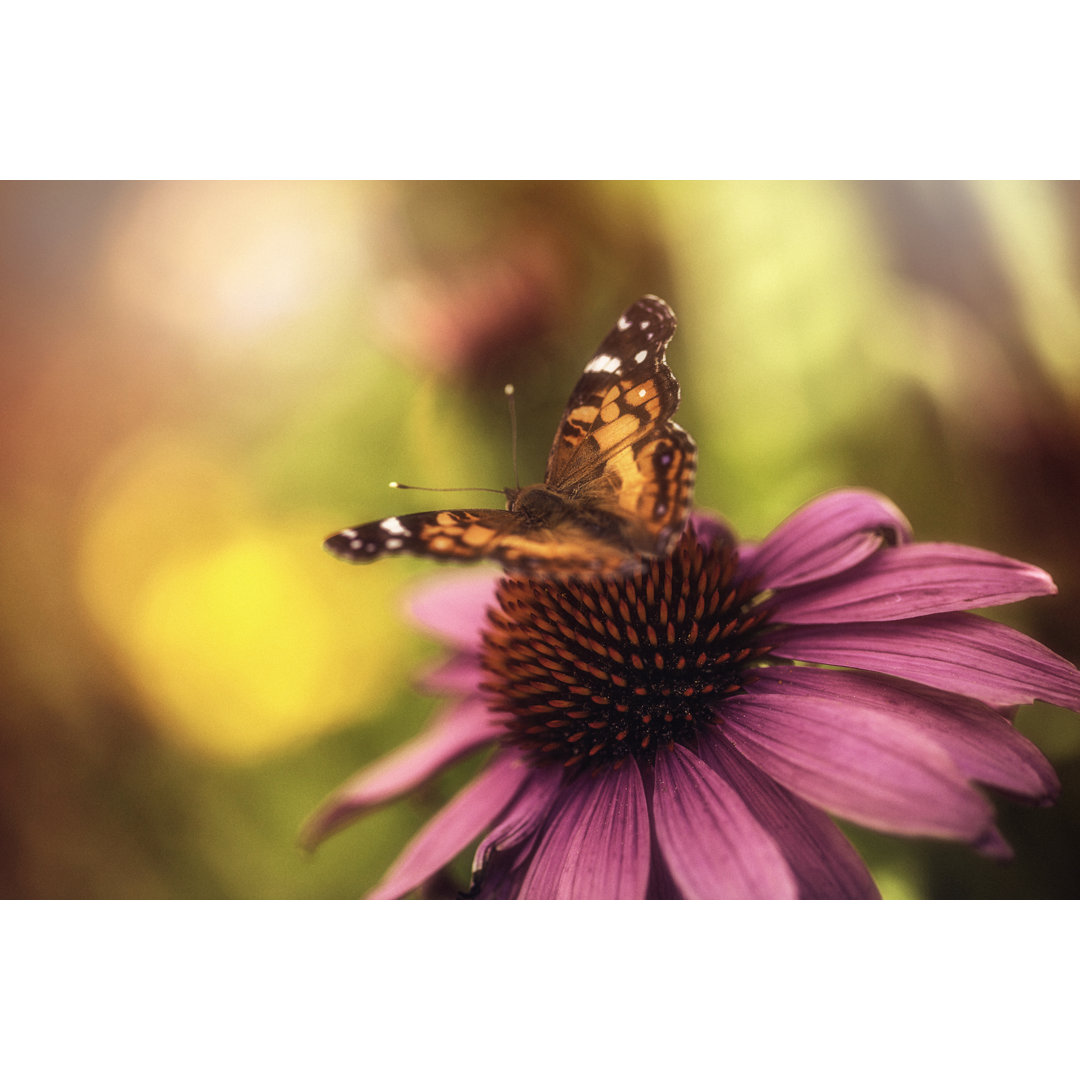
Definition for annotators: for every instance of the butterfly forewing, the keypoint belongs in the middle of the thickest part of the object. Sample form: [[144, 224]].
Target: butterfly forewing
[[626, 391], [455, 535], [470, 535]]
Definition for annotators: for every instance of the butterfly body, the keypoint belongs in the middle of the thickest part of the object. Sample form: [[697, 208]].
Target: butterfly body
[[619, 477], [539, 508]]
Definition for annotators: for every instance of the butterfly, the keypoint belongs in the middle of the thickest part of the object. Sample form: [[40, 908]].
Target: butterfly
[[619, 480]]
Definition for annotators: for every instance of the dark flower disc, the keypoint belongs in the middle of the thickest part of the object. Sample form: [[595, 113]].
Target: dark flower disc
[[589, 672]]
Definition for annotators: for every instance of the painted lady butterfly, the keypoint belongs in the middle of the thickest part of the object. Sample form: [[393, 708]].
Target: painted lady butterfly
[[619, 480]]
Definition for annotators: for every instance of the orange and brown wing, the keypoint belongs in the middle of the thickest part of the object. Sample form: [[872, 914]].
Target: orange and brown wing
[[653, 486], [449, 535], [467, 536], [624, 397], [617, 447], [557, 552]]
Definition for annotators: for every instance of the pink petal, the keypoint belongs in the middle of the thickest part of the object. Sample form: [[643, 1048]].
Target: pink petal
[[852, 760], [826, 536], [709, 527], [825, 865], [661, 884], [501, 854], [916, 579], [460, 821], [461, 675], [965, 654], [982, 744], [456, 732], [712, 845], [454, 605], [596, 844]]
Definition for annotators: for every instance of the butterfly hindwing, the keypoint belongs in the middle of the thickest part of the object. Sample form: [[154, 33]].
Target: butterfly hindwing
[[655, 486], [570, 548]]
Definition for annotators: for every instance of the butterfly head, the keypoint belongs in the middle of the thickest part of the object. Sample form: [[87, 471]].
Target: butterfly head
[[537, 504]]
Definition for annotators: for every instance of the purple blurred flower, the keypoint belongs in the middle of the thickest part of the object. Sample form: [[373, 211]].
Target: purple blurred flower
[[685, 732]]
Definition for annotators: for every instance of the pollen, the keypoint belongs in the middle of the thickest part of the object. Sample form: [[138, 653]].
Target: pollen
[[586, 671]]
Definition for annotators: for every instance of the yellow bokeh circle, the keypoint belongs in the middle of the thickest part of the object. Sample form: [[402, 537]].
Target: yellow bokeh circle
[[237, 632]]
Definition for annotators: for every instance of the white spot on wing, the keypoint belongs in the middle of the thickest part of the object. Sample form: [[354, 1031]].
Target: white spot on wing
[[624, 323], [349, 534], [638, 357], [603, 362], [392, 525], [393, 543]]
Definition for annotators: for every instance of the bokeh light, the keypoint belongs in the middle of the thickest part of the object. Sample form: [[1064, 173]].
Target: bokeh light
[[222, 264], [229, 623]]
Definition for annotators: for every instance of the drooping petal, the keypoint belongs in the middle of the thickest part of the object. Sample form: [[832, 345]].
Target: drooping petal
[[496, 870], [958, 652], [458, 731], [460, 821], [913, 580], [712, 844], [983, 745], [454, 607], [825, 865], [824, 537], [851, 760], [595, 845]]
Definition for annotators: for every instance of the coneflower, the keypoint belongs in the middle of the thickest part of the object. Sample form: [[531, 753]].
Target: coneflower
[[687, 731]]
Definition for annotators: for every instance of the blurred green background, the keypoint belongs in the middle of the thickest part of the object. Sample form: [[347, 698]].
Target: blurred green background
[[199, 381]]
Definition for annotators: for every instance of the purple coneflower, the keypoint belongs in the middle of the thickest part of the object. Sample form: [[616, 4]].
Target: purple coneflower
[[686, 731]]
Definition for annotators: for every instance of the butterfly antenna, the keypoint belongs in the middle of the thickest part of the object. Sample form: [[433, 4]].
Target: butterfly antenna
[[413, 487], [508, 389]]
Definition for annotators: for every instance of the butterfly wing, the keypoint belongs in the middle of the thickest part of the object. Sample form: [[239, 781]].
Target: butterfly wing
[[452, 535], [466, 536], [626, 393], [654, 488]]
